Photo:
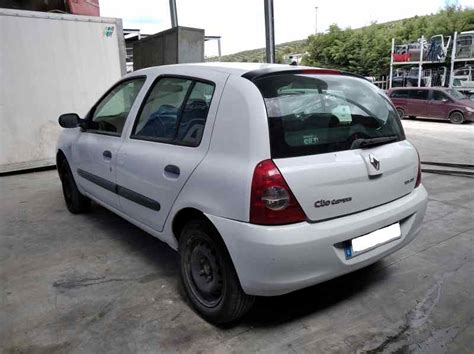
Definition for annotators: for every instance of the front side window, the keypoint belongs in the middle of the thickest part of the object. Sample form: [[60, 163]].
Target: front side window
[[456, 94], [111, 113], [175, 111], [418, 94], [439, 96], [314, 114]]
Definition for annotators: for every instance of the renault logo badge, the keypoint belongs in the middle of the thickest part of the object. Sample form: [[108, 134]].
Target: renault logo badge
[[374, 162]]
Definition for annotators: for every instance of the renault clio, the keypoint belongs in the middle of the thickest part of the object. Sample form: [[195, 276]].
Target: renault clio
[[265, 178]]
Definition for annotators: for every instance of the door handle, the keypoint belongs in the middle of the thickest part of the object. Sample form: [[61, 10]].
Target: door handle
[[107, 154], [172, 170]]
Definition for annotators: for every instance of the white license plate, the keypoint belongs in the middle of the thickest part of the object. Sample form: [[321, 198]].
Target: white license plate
[[374, 239]]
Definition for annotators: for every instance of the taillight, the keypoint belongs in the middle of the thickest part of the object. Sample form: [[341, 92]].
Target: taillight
[[418, 175], [271, 201]]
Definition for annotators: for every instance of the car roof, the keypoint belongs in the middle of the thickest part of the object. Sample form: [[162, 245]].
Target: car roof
[[419, 88], [231, 68]]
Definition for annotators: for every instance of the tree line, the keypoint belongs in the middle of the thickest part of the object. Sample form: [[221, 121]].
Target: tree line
[[366, 51]]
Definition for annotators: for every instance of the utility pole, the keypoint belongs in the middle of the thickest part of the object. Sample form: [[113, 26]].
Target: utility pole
[[391, 64], [453, 58], [173, 14], [316, 20], [269, 31], [420, 63]]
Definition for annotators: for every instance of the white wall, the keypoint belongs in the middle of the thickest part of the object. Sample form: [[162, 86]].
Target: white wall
[[50, 64]]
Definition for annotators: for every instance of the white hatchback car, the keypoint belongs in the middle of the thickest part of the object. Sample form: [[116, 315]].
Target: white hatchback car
[[265, 178]]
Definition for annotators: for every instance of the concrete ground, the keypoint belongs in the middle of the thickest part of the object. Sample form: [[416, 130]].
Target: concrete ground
[[441, 141], [95, 283]]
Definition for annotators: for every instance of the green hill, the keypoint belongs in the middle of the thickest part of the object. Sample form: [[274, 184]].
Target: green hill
[[258, 55]]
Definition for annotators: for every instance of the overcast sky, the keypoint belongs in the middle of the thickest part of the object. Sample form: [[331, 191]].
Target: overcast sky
[[241, 23]]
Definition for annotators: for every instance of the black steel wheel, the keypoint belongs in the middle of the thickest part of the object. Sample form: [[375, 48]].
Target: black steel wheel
[[456, 118], [75, 201], [204, 272], [208, 275]]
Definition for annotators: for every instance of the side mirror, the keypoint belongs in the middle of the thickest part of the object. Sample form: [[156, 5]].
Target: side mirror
[[445, 100], [69, 120]]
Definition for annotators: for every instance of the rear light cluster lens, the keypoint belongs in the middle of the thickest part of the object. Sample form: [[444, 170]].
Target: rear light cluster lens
[[418, 175], [271, 201]]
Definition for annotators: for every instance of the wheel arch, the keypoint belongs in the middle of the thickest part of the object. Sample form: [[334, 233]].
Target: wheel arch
[[455, 110], [60, 157], [187, 214], [184, 215], [397, 107]]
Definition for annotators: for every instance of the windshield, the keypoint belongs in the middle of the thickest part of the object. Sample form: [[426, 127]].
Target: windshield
[[314, 114], [456, 94]]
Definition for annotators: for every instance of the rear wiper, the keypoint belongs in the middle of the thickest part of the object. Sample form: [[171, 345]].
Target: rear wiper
[[362, 143]]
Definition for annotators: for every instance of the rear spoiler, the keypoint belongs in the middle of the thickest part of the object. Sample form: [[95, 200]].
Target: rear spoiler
[[259, 73]]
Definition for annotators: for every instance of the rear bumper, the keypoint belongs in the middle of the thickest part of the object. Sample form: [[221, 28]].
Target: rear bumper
[[274, 260]]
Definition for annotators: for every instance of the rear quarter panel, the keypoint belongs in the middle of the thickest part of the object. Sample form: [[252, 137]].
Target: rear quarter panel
[[221, 184]]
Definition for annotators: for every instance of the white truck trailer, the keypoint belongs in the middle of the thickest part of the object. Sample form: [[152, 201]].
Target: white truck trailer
[[51, 64]]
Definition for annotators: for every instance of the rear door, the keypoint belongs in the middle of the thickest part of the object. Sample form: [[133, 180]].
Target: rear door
[[439, 105], [400, 99], [95, 151], [418, 103], [315, 125], [169, 138]]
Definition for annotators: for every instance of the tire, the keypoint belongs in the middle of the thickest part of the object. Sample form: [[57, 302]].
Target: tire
[[208, 275], [456, 118], [401, 113], [75, 201]]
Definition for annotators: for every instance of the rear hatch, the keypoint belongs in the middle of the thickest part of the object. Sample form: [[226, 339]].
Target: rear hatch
[[338, 142]]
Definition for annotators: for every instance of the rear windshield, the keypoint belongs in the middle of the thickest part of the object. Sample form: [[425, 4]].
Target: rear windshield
[[316, 114]]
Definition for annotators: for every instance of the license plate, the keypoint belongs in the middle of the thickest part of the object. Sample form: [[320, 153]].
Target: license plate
[[370, 241]]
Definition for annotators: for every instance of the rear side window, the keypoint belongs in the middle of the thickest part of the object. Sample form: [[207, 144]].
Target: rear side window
[[399, 94], [418, 94], [174, 111], [314, 114]]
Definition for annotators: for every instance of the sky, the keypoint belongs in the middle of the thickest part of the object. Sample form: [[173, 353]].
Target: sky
[[242, 25]]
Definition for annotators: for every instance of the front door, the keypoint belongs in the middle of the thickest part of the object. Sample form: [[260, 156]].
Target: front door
[[96, 149], [168, 140], [439, 105]]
